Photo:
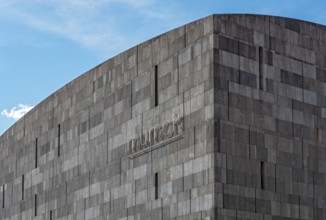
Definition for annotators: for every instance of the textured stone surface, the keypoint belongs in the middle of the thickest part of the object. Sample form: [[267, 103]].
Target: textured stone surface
[[251, 93], [269, 104]]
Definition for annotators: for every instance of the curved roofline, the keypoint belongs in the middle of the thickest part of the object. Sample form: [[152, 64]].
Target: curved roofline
[[212, 16]]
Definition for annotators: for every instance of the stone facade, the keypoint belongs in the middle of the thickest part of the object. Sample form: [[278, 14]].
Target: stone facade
[[223, 118]]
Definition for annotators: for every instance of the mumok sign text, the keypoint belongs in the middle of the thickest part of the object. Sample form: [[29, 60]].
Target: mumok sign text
[[156, 137]]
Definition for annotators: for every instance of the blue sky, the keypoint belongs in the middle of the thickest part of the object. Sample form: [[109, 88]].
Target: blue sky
[[44, 44]]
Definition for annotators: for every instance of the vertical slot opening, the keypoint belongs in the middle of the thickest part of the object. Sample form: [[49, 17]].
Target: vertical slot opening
[[51, 215], [156, 185], [3, 196], [262, 175], [156, 85], [261, 68], [59, 140], [35, 205], [317, 135], [36, 143], [23, 183]]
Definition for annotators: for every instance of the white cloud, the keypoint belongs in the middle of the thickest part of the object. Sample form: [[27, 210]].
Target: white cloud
[[16, 112]]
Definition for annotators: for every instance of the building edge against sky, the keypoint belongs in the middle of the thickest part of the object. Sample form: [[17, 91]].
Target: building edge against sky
[[221, 118]]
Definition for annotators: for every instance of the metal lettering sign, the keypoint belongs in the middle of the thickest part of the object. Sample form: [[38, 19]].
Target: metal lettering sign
[[156, 137]]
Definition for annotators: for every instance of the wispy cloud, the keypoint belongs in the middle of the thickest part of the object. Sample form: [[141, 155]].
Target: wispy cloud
[[98, 25], [16, 112]]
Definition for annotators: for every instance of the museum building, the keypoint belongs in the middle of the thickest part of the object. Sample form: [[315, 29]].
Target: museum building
[[222, 118]]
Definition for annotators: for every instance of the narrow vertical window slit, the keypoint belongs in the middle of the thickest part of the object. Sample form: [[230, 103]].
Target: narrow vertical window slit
[[255, 200], [262, 175], [156, 185], [59, 140], [23, 183], [317, 135], [239, 63], [3, 196], [275, 179], [261, 68], [35, 205], [36, 143], [156, 85]]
